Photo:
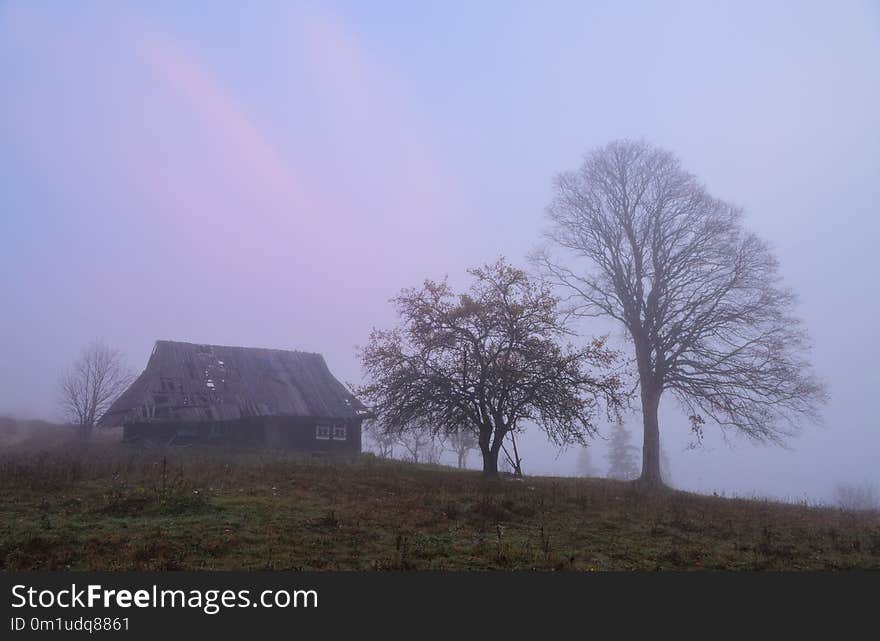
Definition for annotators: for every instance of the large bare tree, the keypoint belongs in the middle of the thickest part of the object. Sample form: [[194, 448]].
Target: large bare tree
[[486, 361], [90, 386], [700, 297]]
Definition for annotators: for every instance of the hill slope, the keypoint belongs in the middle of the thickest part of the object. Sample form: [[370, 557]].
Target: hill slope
[[113, 508]]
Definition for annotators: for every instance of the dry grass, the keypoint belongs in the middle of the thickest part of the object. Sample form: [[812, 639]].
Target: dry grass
[[108, 507]]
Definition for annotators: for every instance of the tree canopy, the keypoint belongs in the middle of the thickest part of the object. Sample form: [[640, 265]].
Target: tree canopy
[[700, 297], [487, 361]]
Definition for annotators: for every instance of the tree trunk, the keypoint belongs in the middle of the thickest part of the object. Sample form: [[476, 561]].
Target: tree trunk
[[85, 431], [651, 445], [490, 463]]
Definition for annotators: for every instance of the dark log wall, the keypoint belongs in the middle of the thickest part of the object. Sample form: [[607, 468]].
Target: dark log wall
[[288, 433]]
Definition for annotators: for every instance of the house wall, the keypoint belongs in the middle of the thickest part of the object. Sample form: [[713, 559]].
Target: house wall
[[274, 432]]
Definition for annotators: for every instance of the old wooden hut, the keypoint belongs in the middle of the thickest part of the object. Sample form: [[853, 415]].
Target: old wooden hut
[[244, 396]]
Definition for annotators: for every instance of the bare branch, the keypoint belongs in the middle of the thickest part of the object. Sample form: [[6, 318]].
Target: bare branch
[[700, 297], [89, 387]]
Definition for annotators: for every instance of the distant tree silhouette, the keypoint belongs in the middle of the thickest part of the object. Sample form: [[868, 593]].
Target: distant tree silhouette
[[665, 466], [585, 465], [89, 387], [857, 497], [460, 443], [380, 441], [622, 455], [420, 443]]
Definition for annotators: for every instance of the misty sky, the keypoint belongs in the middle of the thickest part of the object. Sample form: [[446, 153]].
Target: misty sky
[[190, 171]]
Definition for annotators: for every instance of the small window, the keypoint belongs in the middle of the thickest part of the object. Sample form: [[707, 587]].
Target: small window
[[340, 432], [322, 432]]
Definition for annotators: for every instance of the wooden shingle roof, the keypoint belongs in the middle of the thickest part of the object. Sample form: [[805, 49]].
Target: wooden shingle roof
[[192, 382]]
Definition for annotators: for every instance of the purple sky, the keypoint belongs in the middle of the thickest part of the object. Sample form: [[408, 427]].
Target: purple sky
[[188, 172]]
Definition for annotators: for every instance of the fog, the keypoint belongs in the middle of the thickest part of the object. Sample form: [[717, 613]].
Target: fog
[[273, 178]]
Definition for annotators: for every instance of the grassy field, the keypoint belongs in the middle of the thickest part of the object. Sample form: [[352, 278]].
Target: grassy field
[[111, 508]]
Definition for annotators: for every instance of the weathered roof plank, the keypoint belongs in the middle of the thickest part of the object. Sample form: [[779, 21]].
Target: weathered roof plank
[[195, 382]]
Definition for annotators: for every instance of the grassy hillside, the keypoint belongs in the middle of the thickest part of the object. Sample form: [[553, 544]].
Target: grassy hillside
[[114, 508]]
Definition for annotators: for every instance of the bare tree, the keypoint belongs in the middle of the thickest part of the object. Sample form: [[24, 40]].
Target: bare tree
[[666, 467], [90, 386], [416, 443], [460, 443], [854, 497], [380, 441], [700, 297], [420, 443], [585, 463], [484, 361], [622, 455]]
